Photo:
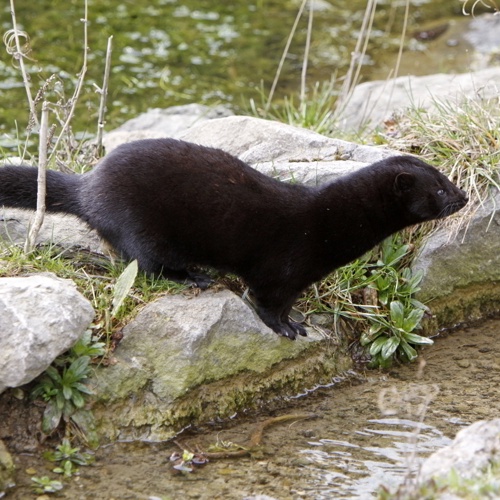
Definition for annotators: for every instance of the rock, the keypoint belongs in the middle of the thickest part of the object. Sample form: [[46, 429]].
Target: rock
[[183, 356], [64, 230], [6, 469], [40, 318], [462, 271], [472, 451], [255, 141], [373, 102], [157, 123], [283, 151], [483, 33]]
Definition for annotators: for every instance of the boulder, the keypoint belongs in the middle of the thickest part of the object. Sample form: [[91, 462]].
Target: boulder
[[284, 151], [472, 451], [483, 33], [255, 140], [462, 268], [40, 318], [157, 123], [210, 355], [64, 230], [373, 102]]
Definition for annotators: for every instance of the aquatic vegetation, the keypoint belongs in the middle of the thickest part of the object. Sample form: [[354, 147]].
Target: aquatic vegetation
[[68, 458], [46, 485]]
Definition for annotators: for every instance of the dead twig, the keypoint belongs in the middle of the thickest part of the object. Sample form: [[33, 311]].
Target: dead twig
[[41, 185], [255, 437], [104, 94]]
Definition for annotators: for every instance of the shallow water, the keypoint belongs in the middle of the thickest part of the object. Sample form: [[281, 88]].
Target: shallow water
[[168, 52], [369, 431]]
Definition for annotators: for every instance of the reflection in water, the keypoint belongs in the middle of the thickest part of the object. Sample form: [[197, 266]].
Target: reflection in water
[[351, 469]]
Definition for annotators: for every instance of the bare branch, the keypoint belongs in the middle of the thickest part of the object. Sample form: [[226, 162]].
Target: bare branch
[[42, 185], [79, 83], [104, 95]]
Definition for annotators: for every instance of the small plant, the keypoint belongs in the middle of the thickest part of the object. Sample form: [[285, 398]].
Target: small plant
[[69, 458], [186, 461], [62, 387], [392, 333], [87, 346], [63, 391], [376, 293], [46, 485]]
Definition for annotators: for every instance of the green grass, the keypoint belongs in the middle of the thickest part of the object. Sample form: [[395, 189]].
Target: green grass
[[316, 111], [95, 276], [374, 297]]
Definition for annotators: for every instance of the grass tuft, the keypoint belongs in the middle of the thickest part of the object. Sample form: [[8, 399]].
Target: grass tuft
[[462, 139]]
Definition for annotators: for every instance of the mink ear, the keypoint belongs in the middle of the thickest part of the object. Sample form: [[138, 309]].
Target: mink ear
[[404, 182]]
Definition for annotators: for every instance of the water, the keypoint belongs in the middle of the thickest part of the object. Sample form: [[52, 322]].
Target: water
[[374, 429], [169, 52]]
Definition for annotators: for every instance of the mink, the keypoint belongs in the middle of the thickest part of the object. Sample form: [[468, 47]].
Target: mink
[[176, 206]]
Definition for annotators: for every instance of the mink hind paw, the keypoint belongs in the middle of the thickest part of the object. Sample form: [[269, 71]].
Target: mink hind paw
[[202, 281]]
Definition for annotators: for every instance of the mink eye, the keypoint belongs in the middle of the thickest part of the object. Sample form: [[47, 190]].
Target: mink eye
[[440, 192]]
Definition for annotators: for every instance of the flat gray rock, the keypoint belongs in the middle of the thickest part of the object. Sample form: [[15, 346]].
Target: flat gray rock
[[40, 318], [255, 140], [158, 123], [61, 229]]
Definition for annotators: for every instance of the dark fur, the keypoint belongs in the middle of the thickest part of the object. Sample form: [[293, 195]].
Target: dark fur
[[171, 205]]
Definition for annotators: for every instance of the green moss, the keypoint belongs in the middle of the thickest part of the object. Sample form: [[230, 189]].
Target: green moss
[[6, 469], [144, 416]]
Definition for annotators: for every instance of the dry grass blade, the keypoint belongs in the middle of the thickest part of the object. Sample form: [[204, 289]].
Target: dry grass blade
[[284, 55], [352, 76], [79, 85], [462, 138], [491, 4]]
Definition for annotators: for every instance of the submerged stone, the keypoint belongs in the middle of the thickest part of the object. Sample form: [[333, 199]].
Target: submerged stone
[[7, 470]]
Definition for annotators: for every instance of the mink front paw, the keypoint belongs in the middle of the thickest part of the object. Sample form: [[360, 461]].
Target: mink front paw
[[298, 328], [290, 330]]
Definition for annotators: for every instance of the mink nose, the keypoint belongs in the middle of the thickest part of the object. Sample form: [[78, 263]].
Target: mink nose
[[465, 198]]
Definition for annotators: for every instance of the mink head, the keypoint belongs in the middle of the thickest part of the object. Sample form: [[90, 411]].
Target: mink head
[[425, 193]]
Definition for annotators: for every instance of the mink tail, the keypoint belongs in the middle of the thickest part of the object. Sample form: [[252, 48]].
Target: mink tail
[[18, 189]]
